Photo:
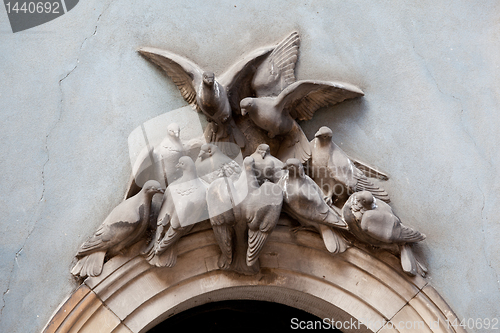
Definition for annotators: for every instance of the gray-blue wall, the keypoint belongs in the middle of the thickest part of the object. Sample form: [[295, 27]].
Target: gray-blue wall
[[73, 89]]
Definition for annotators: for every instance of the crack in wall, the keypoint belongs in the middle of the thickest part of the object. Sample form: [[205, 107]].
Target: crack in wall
[[473, 141], [435, 81], [466, 131], [47, 136], [497, 277]]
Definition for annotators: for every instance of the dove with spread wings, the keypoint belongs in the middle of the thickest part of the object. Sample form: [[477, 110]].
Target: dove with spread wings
[[263, 70], [278, 115]]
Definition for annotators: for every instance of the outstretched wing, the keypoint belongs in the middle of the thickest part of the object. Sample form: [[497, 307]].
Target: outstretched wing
[[277, 71], [302, 98], [184, 73], [238, 78]]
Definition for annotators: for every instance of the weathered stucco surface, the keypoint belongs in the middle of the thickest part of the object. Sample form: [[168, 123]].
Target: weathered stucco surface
[[75, 88]]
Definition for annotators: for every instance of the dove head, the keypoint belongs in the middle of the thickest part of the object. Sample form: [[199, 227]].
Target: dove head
[[185, 163], [206, 151], [324, 134], [208, 78], [263, 150], [247, 105], [174, 130], [151, 187], [366, 200], [295, 168]]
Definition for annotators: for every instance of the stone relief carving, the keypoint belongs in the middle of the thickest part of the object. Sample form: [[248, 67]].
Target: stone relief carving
[[252, 111], [125, 225], [373, 221]]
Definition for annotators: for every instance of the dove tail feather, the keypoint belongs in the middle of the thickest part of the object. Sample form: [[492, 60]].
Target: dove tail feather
[[421, 268], [224, 237], [408, 261], [170, 238], [90, 265], [150, 254], [166, 259], [256, 241], [334, 242], [77, 269], [165, 253], [170, 256]]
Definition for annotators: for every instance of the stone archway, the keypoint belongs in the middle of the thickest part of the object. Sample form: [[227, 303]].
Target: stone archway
[[296, 270]]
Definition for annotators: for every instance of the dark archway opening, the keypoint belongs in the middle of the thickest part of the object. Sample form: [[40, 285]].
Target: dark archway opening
[[241, 316]]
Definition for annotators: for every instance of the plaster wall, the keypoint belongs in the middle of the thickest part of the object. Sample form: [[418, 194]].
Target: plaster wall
[[74, 89]]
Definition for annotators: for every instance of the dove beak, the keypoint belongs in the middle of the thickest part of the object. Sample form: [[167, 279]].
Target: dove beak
[[320, 135], [243, 112]]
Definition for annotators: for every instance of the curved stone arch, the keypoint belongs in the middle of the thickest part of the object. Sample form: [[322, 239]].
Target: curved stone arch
[[296, 270]]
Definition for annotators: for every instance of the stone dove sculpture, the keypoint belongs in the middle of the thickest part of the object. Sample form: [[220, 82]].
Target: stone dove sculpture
[[261, 210], [184, 204], [278, 114], [336, 174], [303, 200], [124, 226], [267, 167], [372, 221], [212, 163], [239, 208], [223, 195], [159, 162], [169, 151]]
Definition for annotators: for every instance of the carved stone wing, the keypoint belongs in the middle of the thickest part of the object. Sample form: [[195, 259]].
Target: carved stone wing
[[146, 167], [268, 216], [106, 236], [186, 75], [369, 171], [277, 71], [302, 98], [238, 78], [363, 184]]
